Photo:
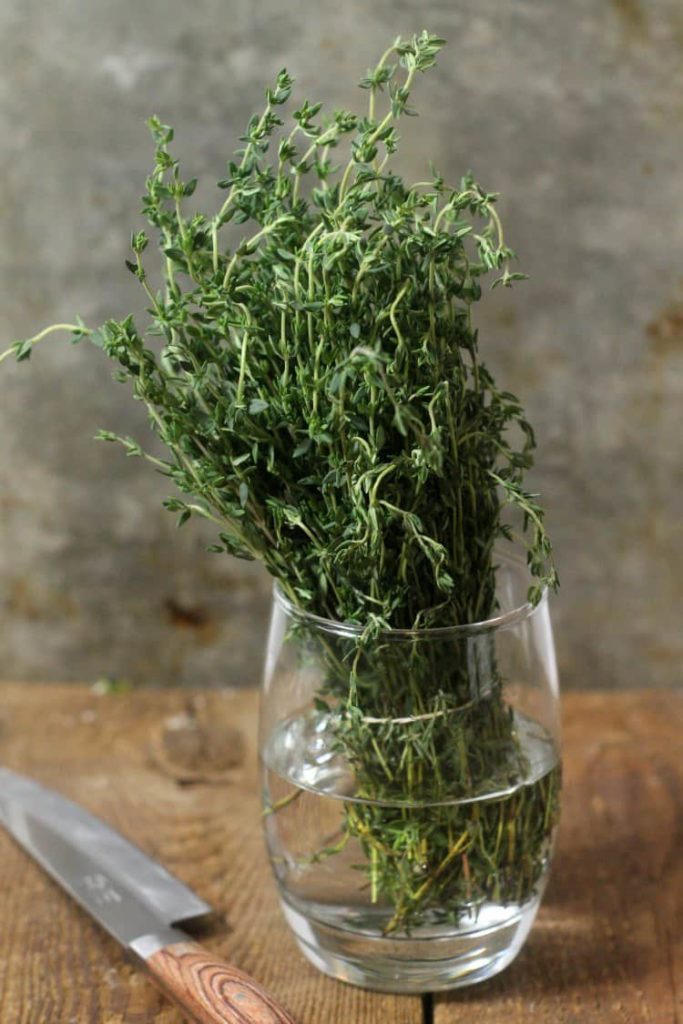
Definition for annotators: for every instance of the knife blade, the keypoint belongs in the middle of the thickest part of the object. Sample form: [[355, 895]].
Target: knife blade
[[135, 899]]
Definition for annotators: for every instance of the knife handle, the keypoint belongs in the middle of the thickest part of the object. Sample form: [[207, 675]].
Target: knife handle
[[211, 991]]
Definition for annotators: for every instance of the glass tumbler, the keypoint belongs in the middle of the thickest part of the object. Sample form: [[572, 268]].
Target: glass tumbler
[[411, 783]]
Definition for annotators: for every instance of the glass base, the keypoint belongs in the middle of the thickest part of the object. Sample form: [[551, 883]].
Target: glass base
[[412, 964]]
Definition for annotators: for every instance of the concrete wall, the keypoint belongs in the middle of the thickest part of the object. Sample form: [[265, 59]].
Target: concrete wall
[[574, 111]]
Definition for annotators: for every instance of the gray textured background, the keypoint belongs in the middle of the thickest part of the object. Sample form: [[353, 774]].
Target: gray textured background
[[574, 111]]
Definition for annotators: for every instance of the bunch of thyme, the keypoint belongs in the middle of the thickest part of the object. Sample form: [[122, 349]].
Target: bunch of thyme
[[319, 391]]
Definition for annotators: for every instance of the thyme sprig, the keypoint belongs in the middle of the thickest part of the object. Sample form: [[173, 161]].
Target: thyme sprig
[[318, 385]]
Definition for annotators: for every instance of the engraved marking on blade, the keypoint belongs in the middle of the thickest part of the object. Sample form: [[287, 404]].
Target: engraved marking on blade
[[101, 889]]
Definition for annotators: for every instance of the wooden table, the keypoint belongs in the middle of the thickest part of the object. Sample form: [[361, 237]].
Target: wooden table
[[607, 946]]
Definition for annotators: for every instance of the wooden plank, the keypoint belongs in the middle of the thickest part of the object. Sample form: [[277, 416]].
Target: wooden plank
[[56, 965], [608, 943]]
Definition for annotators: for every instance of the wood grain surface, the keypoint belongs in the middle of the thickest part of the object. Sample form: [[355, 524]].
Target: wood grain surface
[[211, 991], [607, 947]]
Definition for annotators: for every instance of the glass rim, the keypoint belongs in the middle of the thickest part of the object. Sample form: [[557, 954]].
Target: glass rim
[[349, 629]]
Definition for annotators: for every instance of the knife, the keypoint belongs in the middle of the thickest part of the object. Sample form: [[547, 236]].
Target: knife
[[136, 900]]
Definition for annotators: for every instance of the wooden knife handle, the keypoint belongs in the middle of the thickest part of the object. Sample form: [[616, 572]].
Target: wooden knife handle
[[211, 991]]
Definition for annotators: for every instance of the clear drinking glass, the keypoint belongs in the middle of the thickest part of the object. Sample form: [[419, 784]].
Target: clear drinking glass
[[411, 847]]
